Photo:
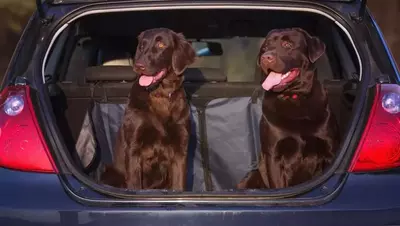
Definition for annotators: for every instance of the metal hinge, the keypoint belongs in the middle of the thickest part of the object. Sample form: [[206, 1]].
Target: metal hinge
[[20, 81], [359, 16], [42, 15], [382, 79]]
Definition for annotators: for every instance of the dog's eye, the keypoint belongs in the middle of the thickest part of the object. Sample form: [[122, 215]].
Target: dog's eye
[[287, 45], [160, 45]]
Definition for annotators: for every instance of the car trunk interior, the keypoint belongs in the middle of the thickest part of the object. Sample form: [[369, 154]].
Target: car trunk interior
[[89, 76]]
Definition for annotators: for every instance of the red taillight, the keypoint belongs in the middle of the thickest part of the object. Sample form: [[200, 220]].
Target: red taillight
[[22, 146], [379, 147]]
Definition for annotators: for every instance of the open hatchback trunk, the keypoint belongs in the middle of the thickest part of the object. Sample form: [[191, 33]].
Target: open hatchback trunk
[[88, 71]]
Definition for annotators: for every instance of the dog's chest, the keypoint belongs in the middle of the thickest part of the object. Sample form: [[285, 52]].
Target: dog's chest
[[298, 115], [161, 107], [169, 124]]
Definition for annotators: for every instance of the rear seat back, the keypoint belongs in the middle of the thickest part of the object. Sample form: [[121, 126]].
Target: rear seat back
[[125, 73]]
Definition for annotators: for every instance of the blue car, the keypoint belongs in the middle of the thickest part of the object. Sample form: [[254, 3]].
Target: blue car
[[66, 86]]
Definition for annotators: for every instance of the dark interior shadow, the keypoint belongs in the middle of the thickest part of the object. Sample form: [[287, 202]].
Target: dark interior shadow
[[190, 90], [59, 103]]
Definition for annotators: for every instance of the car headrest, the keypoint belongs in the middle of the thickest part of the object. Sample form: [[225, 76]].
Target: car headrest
[[125, 73]]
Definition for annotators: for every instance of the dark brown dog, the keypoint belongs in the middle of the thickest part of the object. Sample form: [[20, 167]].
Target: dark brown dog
[[299, 134], [151, 148]]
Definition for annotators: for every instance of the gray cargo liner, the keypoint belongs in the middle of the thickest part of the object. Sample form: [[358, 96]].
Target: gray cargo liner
[[228, 136]]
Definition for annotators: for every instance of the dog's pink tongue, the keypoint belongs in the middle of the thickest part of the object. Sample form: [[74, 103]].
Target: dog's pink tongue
[[272, 80], [145, 80]]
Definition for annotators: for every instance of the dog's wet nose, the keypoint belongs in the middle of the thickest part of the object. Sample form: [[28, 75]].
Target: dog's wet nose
[[140, 67], [269, 57]]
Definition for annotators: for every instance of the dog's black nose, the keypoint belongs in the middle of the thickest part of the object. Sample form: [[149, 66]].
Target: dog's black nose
[[269, 57], [140, 67]]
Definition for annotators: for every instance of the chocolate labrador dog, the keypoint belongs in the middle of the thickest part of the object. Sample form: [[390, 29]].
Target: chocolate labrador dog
[[299, 134], [151, 147]]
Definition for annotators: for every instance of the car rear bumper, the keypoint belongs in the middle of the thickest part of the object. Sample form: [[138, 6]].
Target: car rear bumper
[[40, 199]]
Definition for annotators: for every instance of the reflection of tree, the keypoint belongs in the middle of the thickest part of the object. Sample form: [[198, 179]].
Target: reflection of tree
[[387, 16], [13, 17]]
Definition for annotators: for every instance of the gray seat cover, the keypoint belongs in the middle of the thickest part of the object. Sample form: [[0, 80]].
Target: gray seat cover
[[231, 132]]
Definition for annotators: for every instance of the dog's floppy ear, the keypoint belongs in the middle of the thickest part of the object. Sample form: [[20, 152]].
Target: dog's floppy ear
[[315, 46], [183, 54]]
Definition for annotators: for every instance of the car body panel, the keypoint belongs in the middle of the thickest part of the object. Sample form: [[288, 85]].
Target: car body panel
[[45, 7], [39, 199], [60, 2]]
